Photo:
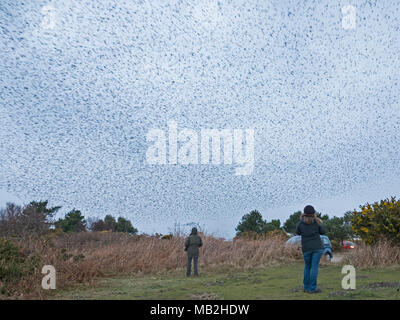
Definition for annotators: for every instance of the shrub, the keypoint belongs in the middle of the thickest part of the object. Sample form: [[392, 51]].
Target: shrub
[[99, 225], [248, 235], [124, 225], [378, 221], [274, 225], [14, 265], [110, 222], [167, 237], [336, 245], [277, 234]]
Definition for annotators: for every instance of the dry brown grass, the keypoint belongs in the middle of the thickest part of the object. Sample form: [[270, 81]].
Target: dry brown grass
[[381, 254], [82, 257]]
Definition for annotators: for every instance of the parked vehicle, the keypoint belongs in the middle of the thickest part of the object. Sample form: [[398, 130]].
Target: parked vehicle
[[296, 240], [347, 245]]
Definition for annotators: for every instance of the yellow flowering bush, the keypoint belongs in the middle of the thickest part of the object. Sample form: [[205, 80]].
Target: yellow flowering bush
[[378, 220], [277, 234]]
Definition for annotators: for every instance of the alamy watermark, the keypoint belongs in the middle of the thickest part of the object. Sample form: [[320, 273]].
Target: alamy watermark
[[49, 17], [49, 280], [349, 17], [183, 147], [349, 280]]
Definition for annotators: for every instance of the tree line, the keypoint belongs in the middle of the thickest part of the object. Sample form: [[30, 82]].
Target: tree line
[[37, 218], [338, 228], [371, 222]]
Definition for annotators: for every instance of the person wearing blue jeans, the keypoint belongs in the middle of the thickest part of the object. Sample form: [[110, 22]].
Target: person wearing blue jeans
[[310, 228], [311, 264]]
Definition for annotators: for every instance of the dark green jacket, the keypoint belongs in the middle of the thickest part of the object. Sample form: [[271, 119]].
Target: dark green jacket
[[310, 235], [192, 245]]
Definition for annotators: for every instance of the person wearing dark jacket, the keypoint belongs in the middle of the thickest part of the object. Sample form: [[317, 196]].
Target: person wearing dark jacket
[[192, 245], [310, 228]]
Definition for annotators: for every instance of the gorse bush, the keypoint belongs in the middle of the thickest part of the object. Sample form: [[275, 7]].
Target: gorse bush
[[380, 220], [14, 265], [277, 234]]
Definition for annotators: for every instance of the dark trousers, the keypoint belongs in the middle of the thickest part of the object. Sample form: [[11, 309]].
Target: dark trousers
[[189, 265]]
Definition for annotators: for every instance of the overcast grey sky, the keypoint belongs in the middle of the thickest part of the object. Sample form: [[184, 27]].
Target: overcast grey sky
[[83, 82]]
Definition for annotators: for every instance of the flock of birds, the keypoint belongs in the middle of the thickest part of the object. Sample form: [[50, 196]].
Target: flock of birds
[[82, 82]]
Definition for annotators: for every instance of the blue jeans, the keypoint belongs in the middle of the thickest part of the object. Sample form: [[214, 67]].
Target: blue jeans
[[311, 260], [189, 265]]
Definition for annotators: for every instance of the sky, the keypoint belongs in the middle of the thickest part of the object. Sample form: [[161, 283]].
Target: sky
[[82, 83]]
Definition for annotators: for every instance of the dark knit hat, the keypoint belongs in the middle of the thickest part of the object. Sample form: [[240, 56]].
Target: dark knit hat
[[309, 210]]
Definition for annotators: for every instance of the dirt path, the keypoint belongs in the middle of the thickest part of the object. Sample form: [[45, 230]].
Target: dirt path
[[337, 258]]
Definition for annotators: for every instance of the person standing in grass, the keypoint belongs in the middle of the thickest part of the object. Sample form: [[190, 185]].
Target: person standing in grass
[[310, 228], [192, 245]]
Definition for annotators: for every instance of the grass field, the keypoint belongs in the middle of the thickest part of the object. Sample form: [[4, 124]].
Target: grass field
[[283, 282], [96, 265]]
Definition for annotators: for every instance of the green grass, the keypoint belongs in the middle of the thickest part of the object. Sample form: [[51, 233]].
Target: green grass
[[283, 282]]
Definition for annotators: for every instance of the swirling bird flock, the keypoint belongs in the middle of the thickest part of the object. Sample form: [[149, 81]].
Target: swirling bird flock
[[83, 82]]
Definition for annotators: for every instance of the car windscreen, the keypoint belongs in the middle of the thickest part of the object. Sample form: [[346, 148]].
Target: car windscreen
[[294, 240], [326, 240]]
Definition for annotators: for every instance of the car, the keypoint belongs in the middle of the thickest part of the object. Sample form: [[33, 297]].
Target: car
[[347, 245], [296, 240]]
